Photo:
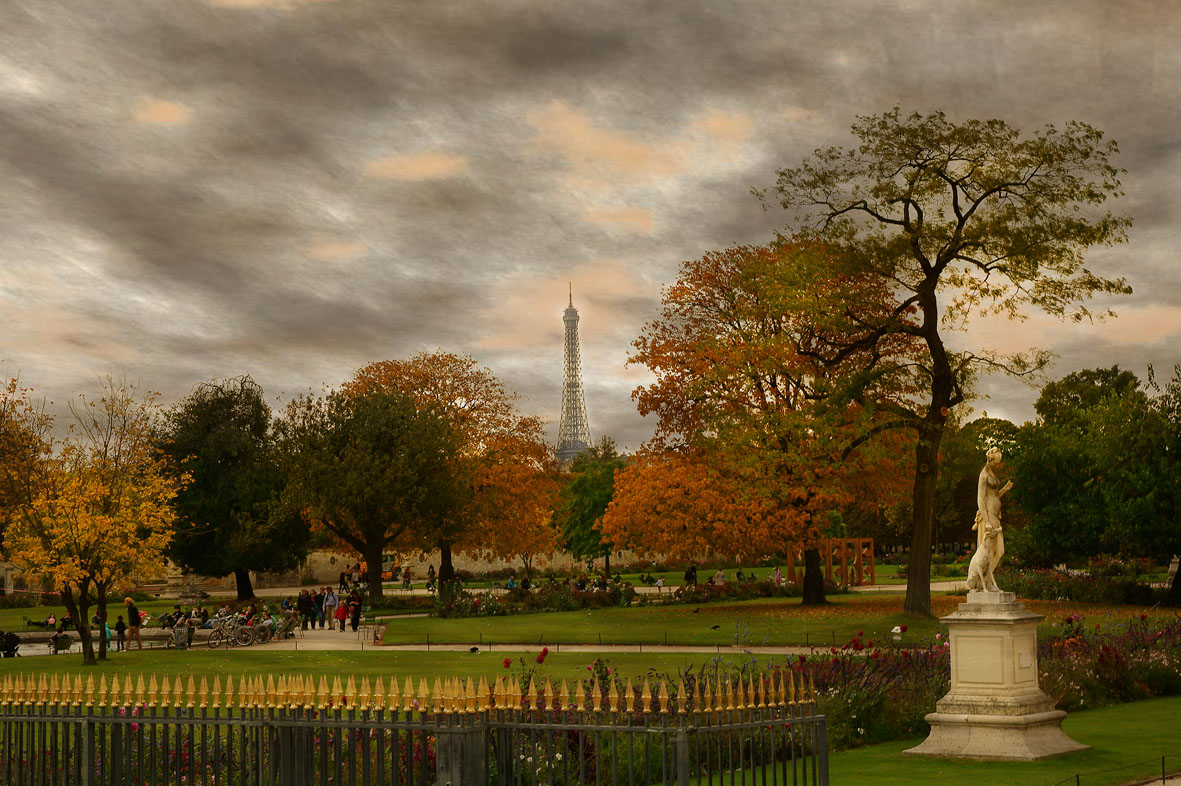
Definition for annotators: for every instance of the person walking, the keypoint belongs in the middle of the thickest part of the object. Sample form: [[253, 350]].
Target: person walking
[[355, 611], [342, 613], [330, 603], [134, 619], [120, 633], [318, 608], [344, 581]]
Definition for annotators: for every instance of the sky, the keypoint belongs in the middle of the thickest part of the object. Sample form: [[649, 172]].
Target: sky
[[294, 188]]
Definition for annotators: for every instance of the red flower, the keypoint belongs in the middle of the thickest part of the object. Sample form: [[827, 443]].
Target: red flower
[[902, 628], [508, 663]]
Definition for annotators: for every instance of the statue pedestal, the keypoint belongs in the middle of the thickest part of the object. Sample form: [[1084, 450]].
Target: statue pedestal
[[995, 709]]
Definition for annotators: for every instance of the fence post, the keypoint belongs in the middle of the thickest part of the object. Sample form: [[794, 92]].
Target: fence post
[[681, 741], [87, 752], [822, 750], [459, 752]]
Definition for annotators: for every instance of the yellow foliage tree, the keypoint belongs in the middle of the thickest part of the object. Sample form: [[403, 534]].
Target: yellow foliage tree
[[105, 510]]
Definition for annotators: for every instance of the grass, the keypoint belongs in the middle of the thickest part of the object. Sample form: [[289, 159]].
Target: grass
[[371, 663], [1120, 735], [774, 622]]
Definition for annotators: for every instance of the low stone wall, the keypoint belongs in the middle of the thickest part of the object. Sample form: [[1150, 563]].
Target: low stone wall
[[324, 566]]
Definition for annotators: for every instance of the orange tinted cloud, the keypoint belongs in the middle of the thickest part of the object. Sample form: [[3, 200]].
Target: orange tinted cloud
[[527, 314], [729, 129], [633, 219], [333, 249], [417, 166], [594, 151], [260, 3], [1132, 325], [158, 111]]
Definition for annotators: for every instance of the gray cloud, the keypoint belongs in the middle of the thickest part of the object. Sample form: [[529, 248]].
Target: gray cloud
[[184, 250]]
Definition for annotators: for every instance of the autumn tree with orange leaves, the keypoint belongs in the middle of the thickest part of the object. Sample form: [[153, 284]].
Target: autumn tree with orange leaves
[[754, 441], [104, 509], [508, 510]]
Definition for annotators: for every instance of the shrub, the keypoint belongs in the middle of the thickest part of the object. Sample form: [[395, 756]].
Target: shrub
[[458, 602], [1078, 586]]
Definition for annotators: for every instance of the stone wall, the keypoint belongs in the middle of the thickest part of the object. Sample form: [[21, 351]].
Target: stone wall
[[324, 567]]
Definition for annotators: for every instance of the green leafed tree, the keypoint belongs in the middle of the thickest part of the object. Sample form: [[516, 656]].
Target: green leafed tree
[[1104, 476], [373, 468], [957, 219], [585, 499], [229, 522]]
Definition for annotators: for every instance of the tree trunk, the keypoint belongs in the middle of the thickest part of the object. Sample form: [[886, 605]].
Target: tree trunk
[[78, 609], [1174, 596], [813, 578], [243, 583], [446, 569], [918, 567], [102, 619], [607, 563], [374, 588]]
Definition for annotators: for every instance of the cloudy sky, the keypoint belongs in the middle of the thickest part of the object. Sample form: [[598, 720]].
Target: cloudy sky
[[293, 188]]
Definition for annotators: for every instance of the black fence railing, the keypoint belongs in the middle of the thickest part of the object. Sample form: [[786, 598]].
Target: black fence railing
[[759, 731]]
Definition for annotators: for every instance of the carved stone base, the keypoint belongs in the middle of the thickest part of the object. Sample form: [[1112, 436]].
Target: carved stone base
[[995, 709]]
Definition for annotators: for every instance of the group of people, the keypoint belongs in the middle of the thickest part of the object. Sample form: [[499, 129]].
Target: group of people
[[353, 579], [314, 608]]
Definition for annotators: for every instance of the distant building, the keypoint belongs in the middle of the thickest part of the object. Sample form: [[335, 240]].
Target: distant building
[[573, 431]]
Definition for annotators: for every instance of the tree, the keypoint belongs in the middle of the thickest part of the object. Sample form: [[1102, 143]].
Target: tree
[[1105, 477], [25, 445], [1063, 402], [105, 512], [220, 436], [738, 389], [585, 500], [372, 468], [954, 219], [504, 510]]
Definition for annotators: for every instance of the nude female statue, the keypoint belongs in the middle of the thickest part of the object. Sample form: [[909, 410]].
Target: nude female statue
[[990, 538]]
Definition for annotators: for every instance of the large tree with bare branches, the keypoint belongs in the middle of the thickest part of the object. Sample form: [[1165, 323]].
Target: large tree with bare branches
[[958, 219]]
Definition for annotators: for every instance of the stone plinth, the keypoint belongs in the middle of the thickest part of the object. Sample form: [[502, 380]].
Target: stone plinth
[[995, 709]]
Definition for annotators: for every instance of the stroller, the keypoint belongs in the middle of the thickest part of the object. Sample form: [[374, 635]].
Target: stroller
[[9, 644]]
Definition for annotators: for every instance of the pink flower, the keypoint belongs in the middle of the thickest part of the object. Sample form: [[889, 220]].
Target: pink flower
[[938, 636]]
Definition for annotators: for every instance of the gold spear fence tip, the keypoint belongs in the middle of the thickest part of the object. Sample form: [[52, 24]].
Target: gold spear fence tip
[[721, 693]]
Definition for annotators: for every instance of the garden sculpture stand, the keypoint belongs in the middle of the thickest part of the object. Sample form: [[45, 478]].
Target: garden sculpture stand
[[995, 709]]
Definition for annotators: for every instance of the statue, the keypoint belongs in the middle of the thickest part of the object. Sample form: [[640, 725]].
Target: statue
[[990, 538]]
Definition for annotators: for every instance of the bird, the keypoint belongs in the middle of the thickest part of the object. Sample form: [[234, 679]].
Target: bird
[[714, 627], [474, 649]]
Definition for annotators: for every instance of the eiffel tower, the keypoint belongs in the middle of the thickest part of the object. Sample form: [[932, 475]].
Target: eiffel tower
[[573, 432]]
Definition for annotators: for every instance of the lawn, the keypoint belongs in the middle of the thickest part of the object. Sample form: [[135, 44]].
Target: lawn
[[203, 661], [1120, 735], [773, 622]]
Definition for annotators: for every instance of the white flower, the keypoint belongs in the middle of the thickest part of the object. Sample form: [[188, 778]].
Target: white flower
[[557, 757]]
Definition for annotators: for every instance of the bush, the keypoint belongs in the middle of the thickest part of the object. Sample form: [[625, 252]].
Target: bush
[[709, 593], [1078, 586], [20, 600], [458, 602]]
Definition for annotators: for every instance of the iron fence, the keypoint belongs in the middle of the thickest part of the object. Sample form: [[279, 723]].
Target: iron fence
[[291, 733]]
